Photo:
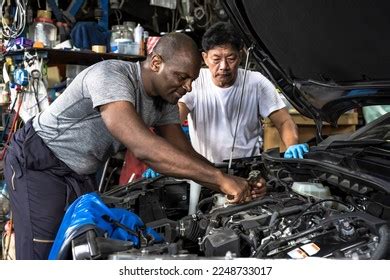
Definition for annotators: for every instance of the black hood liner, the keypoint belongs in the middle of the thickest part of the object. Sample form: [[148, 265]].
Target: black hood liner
[[324, 40], [326, 56]]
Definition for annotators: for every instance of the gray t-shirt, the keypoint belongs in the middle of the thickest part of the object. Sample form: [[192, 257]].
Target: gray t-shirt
[[72, 126]]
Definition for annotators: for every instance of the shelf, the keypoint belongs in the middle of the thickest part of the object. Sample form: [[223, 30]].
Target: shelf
[[55, 56]]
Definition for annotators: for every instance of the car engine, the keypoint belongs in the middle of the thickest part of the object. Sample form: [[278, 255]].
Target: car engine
[[309, 210]]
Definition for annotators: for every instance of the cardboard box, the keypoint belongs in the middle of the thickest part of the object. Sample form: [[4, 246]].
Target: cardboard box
[[307, 129]]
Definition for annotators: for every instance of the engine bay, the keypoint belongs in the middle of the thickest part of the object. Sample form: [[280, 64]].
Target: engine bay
[[308, 210]]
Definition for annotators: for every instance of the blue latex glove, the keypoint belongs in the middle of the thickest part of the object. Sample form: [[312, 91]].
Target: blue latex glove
[[150, 173], [296, 151]]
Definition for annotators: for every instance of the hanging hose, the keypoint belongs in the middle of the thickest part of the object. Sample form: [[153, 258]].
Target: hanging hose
[[35, 74]]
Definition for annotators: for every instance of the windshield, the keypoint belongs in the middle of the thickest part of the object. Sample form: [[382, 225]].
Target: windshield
[[378, 129]]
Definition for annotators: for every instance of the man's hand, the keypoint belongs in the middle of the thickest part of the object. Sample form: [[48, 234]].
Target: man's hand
[[258, 188], [150, 173], [237, 189], [296, 151]]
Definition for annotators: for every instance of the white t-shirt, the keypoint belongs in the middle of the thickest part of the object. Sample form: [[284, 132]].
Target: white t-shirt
[[213, 114]]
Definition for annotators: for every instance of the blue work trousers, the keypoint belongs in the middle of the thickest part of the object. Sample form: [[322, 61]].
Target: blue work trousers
[[40, 188]]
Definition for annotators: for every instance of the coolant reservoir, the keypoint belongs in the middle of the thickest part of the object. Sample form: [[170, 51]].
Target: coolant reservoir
[[219, 201], [316, 190]]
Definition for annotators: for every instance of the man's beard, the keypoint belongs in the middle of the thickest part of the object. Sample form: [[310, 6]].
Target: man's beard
[[159, 103]]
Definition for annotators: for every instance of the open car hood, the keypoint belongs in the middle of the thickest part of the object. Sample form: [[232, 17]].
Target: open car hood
[[326, 56]]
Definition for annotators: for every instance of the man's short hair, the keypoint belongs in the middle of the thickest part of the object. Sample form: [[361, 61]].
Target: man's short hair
[[172, 43], [221, 33]]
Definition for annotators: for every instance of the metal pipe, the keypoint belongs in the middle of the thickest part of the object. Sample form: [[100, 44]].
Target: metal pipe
[[239, 106]]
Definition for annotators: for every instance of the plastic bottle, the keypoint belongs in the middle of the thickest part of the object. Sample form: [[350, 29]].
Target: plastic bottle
[[130, 26], [45, 31], [115, 34], [145, 38], [138, 32]]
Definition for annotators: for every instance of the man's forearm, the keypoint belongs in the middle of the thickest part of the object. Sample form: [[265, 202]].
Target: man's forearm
[[199, 156], [171, 161], [286, 127], [289, 133]]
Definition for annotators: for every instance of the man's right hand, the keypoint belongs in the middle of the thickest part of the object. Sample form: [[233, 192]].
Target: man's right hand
[[237, 189]]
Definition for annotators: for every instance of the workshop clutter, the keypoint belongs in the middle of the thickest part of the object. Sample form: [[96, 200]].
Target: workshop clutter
[[128, 39], [57, 27], [26, 85]]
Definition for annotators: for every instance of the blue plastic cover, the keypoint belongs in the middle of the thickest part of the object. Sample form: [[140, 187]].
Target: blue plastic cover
[[89, 209]]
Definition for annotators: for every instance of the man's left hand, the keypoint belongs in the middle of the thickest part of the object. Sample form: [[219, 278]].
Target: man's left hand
[[296, 151], [258, 188]]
